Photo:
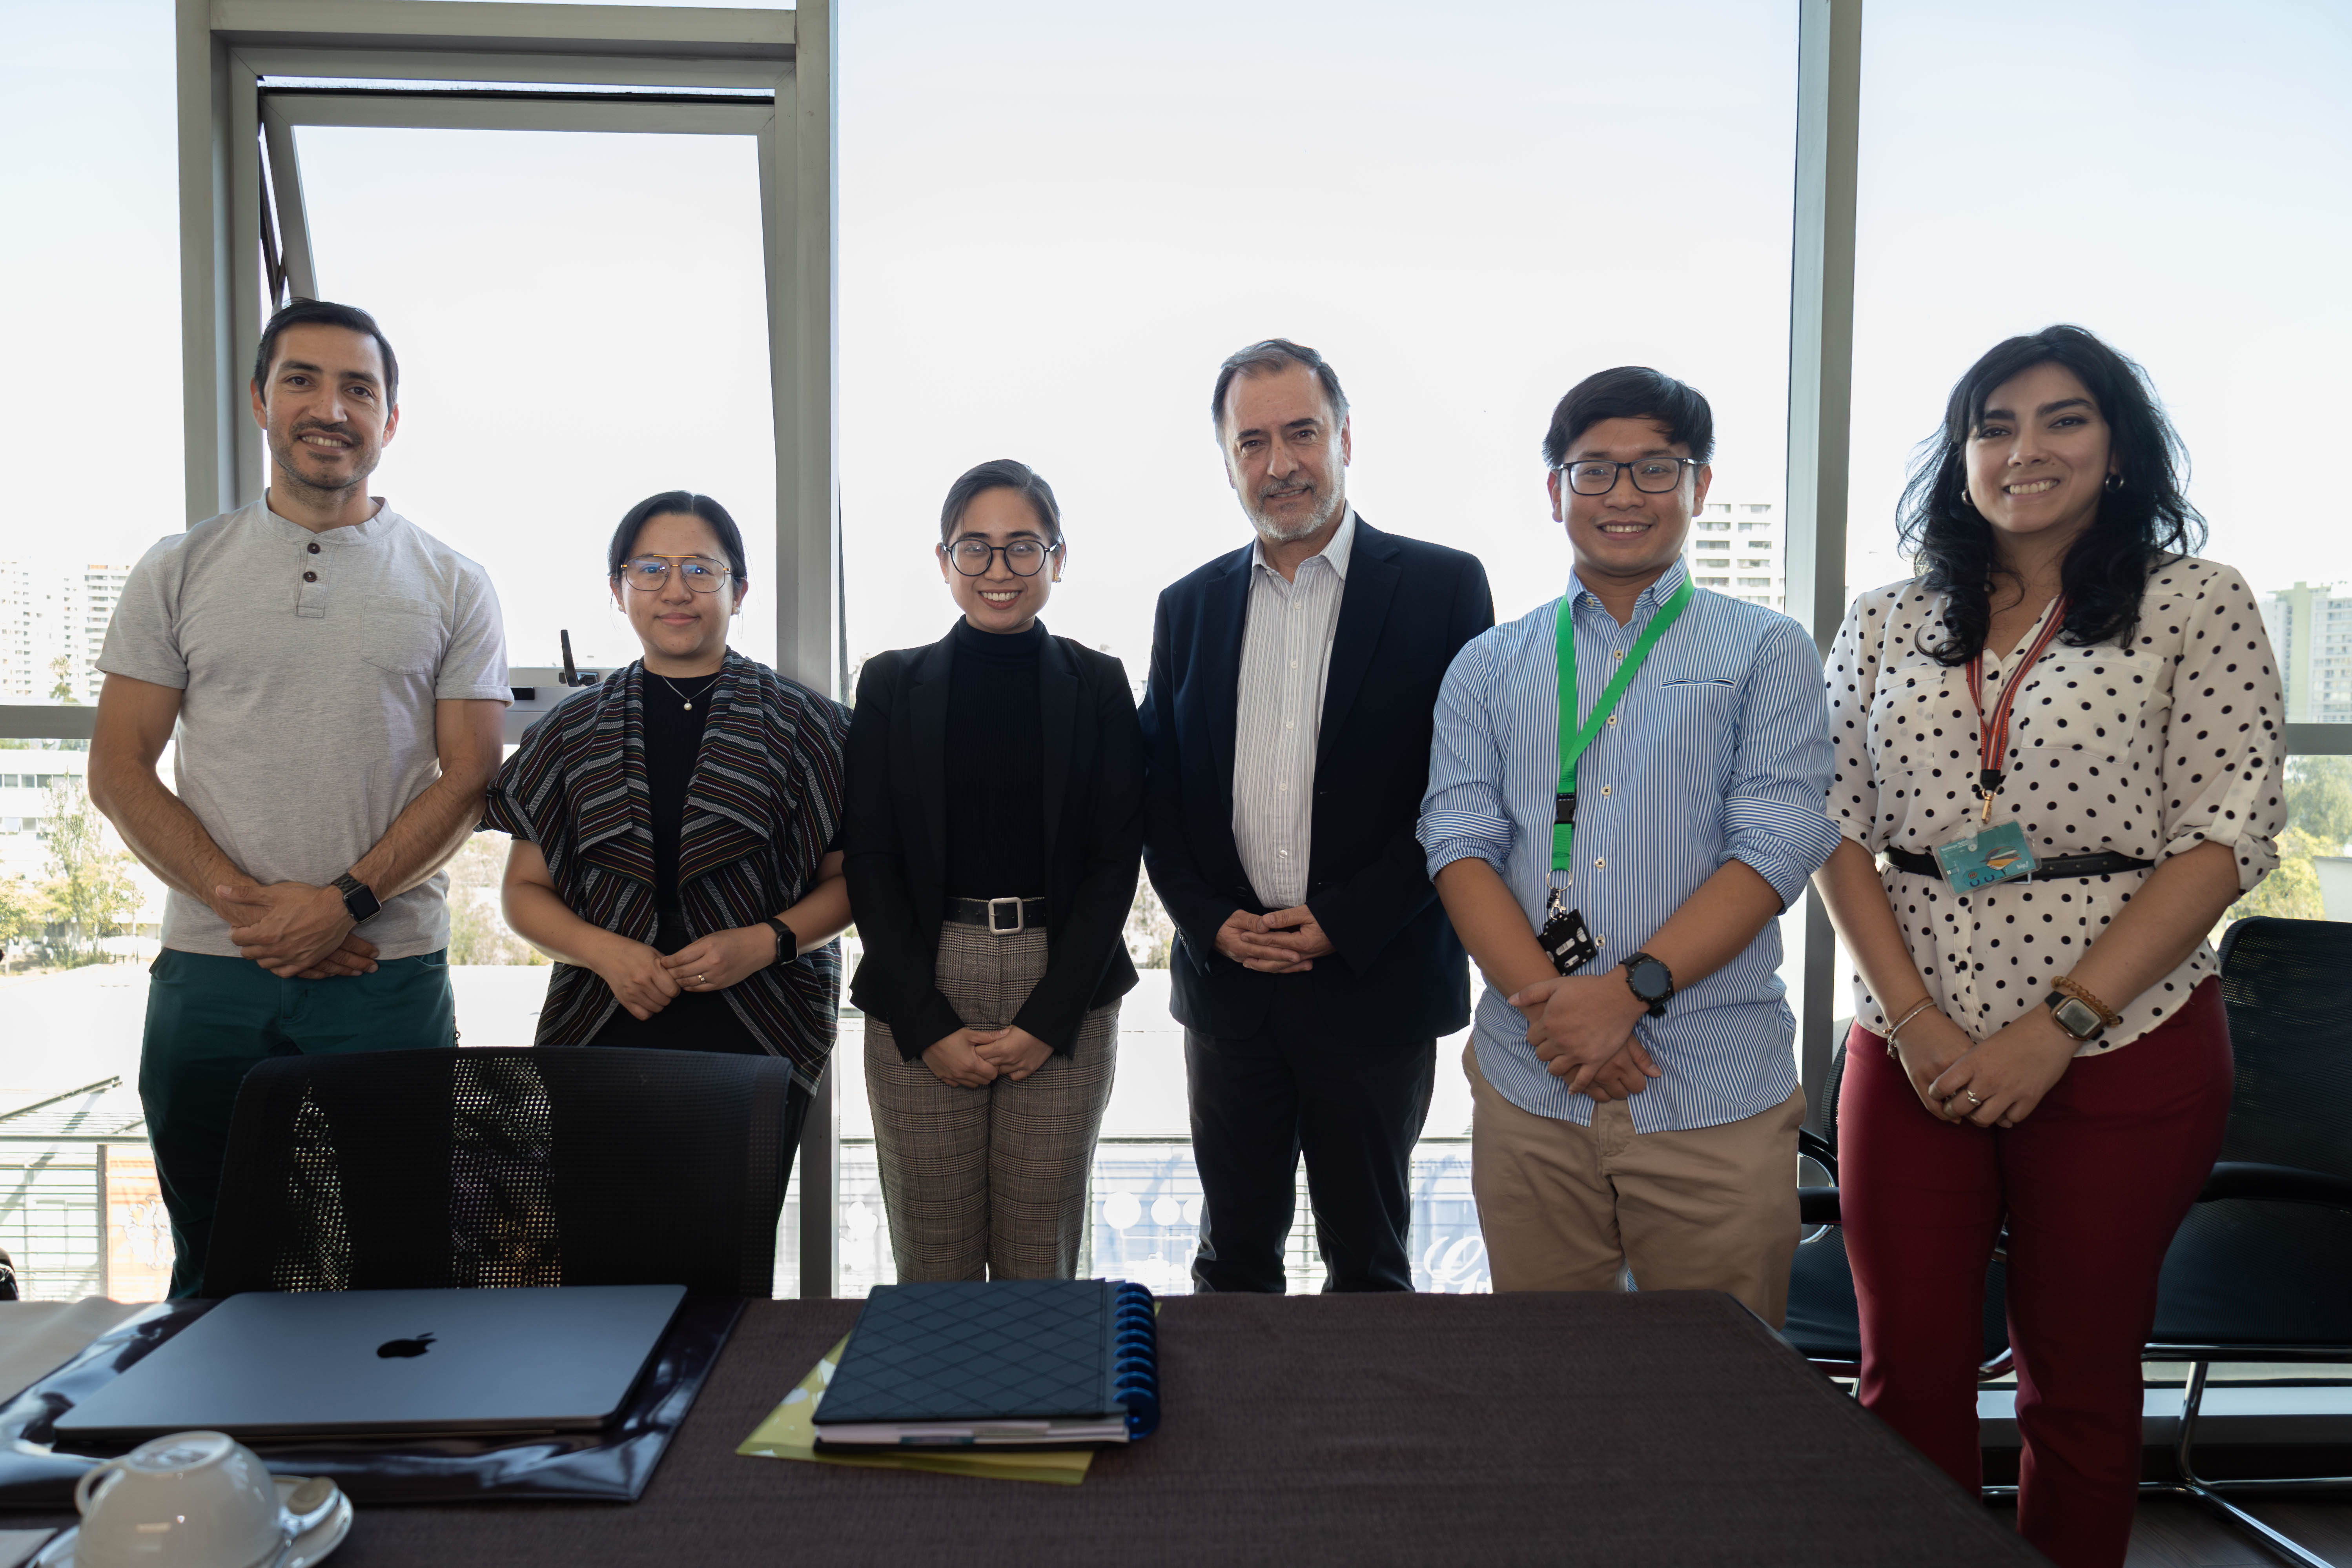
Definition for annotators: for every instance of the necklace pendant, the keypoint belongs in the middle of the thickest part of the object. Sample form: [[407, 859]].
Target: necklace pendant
[[689, 707]]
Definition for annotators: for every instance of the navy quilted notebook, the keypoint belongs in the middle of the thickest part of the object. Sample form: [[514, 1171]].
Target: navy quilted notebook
[[1003, 1363]]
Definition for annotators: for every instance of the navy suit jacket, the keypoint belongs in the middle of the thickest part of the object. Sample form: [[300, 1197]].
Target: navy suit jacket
[[1399, 973]]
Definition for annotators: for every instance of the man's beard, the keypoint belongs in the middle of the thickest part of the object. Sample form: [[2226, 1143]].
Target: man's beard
[[1274, 533], [284, 455]]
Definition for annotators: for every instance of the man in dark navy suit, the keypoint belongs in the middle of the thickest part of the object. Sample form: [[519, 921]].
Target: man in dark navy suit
[[1287, 723]]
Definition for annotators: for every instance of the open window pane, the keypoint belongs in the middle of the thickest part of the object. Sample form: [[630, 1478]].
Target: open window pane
[[581, 321]]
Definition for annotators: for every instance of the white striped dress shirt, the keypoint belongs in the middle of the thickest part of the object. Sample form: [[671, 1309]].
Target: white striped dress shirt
[[1286, 663], [1719, 751]]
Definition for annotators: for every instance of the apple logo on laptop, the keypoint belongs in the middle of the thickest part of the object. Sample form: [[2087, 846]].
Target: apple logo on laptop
[[405, 1348]]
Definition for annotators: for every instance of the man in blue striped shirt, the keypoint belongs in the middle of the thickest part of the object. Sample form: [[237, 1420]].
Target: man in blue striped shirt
[[1643, 1111]]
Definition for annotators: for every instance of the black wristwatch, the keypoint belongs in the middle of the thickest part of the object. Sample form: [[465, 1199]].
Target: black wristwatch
[[2075, 1016], [359, 904], [788, 945], [1651, 982]]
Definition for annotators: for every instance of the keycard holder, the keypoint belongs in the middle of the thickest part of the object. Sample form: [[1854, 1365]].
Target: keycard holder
[[1999, 854], [1567, 941]]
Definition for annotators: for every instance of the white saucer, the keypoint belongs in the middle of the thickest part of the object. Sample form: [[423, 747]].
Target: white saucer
[[305, 1546]]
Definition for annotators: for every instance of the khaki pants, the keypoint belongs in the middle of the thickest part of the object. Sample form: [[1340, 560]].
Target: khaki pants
[[1564, 1207]]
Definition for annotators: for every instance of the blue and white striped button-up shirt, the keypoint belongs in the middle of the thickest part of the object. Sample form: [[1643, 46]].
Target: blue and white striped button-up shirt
[[1719, 751]]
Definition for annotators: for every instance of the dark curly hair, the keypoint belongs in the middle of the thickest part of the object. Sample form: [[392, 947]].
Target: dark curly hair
[[2143, 522]]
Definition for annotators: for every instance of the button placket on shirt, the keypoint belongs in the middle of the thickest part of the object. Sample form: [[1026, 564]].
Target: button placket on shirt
[[310, 600]]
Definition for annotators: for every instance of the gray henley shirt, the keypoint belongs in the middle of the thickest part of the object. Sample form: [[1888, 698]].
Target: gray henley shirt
[[311, 665]]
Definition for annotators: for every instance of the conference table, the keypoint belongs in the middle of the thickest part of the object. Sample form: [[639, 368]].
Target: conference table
[[1661, 1427]]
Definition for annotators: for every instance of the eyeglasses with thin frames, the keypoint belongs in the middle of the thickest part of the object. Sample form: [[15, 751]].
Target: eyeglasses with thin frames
[[1652, 476], [650, 574]]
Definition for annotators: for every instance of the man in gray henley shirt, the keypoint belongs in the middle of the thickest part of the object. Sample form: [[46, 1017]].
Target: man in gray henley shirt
[[336, 679]]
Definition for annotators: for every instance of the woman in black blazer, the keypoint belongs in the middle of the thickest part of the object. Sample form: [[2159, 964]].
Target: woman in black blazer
[[993, 825]]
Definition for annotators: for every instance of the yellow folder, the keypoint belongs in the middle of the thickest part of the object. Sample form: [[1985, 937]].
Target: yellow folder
[[790, 1432]]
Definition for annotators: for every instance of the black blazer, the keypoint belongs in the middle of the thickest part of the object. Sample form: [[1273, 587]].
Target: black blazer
[[894, 838], [1399, 972]]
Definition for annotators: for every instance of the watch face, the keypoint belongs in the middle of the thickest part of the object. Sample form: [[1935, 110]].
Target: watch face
[[1649, 978], [2076, 1018]]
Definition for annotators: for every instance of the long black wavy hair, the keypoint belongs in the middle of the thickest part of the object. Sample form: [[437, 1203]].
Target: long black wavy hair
[[2144, 519]]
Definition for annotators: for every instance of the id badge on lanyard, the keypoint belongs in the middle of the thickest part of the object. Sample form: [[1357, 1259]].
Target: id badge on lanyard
[[1996, 851], [1567, 940]]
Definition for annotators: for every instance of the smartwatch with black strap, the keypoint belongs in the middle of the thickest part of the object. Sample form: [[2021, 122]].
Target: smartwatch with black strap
[[1651, 982], [359, 902], [788, 945]]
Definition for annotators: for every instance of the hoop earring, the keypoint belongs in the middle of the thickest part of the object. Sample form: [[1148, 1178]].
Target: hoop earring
[[1966, 504], [2113, 483]]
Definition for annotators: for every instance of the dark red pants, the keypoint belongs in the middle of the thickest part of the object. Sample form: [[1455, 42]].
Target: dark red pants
[[2094, 1183]]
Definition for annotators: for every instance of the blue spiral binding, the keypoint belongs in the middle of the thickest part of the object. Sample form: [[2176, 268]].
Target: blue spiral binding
[[1135, 1358]]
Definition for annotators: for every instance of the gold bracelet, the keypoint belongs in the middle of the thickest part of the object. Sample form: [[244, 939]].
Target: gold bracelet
[[2108, 1017]]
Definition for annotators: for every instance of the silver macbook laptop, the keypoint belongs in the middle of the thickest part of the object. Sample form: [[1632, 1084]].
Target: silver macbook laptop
[[386, 1362]]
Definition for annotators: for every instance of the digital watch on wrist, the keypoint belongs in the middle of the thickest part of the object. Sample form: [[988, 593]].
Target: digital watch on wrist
[[359, 904], [2075, 1016]]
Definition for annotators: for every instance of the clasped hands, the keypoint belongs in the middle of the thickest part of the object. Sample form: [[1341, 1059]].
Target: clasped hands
[[1283, 942], [645, 979], [1582, 1027], [975, 1058], [294, 929], [1996, 1083]]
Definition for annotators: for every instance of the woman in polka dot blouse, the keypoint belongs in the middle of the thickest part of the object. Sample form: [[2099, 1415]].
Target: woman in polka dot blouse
[[2053, 1049]]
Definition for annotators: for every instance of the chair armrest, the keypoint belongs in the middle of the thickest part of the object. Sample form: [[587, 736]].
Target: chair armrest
[[2276, 1183], [1818, 1206], [1814, 1145]]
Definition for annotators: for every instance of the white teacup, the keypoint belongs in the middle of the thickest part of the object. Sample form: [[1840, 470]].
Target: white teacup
[[194, 1499]]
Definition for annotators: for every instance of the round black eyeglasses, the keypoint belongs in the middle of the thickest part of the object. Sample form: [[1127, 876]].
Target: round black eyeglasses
[[1022, 557]]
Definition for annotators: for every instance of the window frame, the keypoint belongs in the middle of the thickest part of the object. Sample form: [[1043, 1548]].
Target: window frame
[[244, 240]]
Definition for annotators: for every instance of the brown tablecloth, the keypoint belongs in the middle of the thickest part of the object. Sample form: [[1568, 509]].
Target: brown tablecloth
[[1665, 1428]]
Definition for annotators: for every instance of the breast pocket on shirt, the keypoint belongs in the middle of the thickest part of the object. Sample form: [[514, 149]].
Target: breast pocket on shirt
[[402, 637], [1693, 711]]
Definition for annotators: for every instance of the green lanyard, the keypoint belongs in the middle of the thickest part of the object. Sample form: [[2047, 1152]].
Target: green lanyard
[[1574, 740]]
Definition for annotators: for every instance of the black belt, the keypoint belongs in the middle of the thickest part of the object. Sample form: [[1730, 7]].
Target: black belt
[[2064, 866], [1002, 916]]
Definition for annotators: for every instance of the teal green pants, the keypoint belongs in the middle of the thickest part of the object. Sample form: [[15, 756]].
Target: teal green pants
[[210, 1019]]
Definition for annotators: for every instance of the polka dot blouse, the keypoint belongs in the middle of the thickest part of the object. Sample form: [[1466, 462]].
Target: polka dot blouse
[[2147, 752]]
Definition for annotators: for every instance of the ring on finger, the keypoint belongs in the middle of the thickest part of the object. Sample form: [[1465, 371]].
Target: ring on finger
[[1973, 1098]]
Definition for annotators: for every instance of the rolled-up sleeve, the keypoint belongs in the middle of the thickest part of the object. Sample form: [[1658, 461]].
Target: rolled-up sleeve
[[1774, 817], [2224, 746], [1463, 817]]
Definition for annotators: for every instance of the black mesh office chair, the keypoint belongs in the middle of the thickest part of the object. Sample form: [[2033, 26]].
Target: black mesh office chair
[[1824, 1321], [2262, 1268], [487, 1168]]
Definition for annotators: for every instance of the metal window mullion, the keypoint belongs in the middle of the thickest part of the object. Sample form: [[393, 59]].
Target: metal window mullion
[[796, 210], [204, 151], [246, 287], [293, 216], [1821, 406]]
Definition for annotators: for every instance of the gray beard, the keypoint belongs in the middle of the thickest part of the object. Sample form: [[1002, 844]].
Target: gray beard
[[1275, 534]]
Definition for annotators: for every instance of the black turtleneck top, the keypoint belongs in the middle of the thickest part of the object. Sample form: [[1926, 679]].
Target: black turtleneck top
[[995, 765]]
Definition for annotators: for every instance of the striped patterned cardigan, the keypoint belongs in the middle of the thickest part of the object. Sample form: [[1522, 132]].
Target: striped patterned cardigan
[[761, 810]]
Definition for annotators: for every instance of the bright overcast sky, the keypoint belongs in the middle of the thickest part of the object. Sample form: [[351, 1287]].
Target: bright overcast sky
[[1057, 217]]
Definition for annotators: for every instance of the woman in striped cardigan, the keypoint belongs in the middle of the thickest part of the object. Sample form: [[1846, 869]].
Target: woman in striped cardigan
[[674, 826]]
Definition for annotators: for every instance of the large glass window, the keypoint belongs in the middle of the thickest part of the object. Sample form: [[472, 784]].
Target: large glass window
[[1057, 219]]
